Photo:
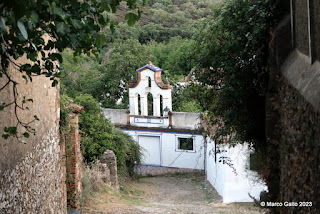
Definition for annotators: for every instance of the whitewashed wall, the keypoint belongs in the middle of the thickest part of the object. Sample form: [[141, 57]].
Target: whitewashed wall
[[185, 120], [116, 116], [233, 187], [142, 89], [170, 156]]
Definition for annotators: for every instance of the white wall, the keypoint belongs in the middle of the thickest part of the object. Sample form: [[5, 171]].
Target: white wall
[[170, 156], [233, 187], [142, 89], [116, 116], [162, 122], [185, 120]]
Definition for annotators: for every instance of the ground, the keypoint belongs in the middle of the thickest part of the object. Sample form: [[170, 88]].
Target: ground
[[174, 194]]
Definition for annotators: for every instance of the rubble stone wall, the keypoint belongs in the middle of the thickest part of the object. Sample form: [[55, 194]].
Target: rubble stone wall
[[293, 112], [31, 174]]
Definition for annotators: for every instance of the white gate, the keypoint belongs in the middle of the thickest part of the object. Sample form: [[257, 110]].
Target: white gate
[[151, 150]]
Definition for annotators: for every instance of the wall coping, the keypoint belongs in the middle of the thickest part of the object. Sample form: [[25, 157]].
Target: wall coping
[[302, 75]]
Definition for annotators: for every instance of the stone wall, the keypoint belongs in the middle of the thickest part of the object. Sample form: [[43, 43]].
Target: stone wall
[[108, 167], [157, 170], [31, 174], [292, 111], [297, 139]]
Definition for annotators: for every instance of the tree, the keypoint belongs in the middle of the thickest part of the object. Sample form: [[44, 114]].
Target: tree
[[68, 24], [232, 54], [125, 57], [82, 75]]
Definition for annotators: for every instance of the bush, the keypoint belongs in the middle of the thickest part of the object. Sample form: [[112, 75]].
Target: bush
[[100, 135]]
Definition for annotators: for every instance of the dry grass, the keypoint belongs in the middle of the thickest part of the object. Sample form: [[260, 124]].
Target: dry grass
[[92, 182]]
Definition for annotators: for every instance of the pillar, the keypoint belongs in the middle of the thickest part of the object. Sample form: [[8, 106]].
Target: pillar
[[156, 106], [133, 104], [144, 105]]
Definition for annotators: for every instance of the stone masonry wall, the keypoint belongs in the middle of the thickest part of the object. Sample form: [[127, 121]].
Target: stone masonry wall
[[36, 177], [296, 138], [293, 114], [31, 174], [156, 170], [108, 167]]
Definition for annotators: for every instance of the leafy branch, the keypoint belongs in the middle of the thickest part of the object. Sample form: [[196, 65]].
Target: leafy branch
[[38, 30]]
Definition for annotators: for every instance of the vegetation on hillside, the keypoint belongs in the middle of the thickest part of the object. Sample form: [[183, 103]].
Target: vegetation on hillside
[[163, 36]]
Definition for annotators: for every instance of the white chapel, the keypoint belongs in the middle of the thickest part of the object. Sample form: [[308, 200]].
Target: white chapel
[[174, 142]]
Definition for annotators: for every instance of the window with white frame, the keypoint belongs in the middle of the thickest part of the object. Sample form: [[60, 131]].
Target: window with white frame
[[185, 143]]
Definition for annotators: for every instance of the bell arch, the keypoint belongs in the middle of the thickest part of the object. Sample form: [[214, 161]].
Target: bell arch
[[150, 104]]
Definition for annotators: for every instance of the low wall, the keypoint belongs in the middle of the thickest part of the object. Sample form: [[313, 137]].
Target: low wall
[[116, 116], [228, 173], [157, 170], [185, 120]]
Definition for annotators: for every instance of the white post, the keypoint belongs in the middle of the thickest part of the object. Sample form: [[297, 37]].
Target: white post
[[132, 104], [144, 105], [156, 105], [136, 105]]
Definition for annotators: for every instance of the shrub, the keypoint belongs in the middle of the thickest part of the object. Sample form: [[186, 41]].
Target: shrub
[[100, 135]]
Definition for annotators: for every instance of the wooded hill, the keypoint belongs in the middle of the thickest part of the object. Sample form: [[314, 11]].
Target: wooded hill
[[164, 33]]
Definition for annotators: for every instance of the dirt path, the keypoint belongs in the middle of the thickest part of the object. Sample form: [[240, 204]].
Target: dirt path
[[166, 194]]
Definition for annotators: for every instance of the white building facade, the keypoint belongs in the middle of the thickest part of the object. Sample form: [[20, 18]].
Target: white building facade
[[173, 140]]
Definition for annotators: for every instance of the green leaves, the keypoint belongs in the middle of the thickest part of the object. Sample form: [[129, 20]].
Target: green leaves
[[131, 18], [232, 54], [10, 130], [26, 135], [101, 135], [76, 23], [101, 39], [62, 28], [34, 17], [68, 24], [22, 29], [55, 56], [3, 28], [2, 105], [54, 83]]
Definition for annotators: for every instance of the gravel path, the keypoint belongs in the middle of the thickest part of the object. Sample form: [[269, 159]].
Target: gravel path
[[185, 193]]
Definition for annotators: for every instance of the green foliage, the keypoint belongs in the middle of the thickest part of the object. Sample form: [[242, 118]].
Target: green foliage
[[167, 43], [40, 30], [231, 50], [100, 135], [174, 56], [64, 112], [69, 24], [184, 99], [82, 75], [105, 82], [163, 20]]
